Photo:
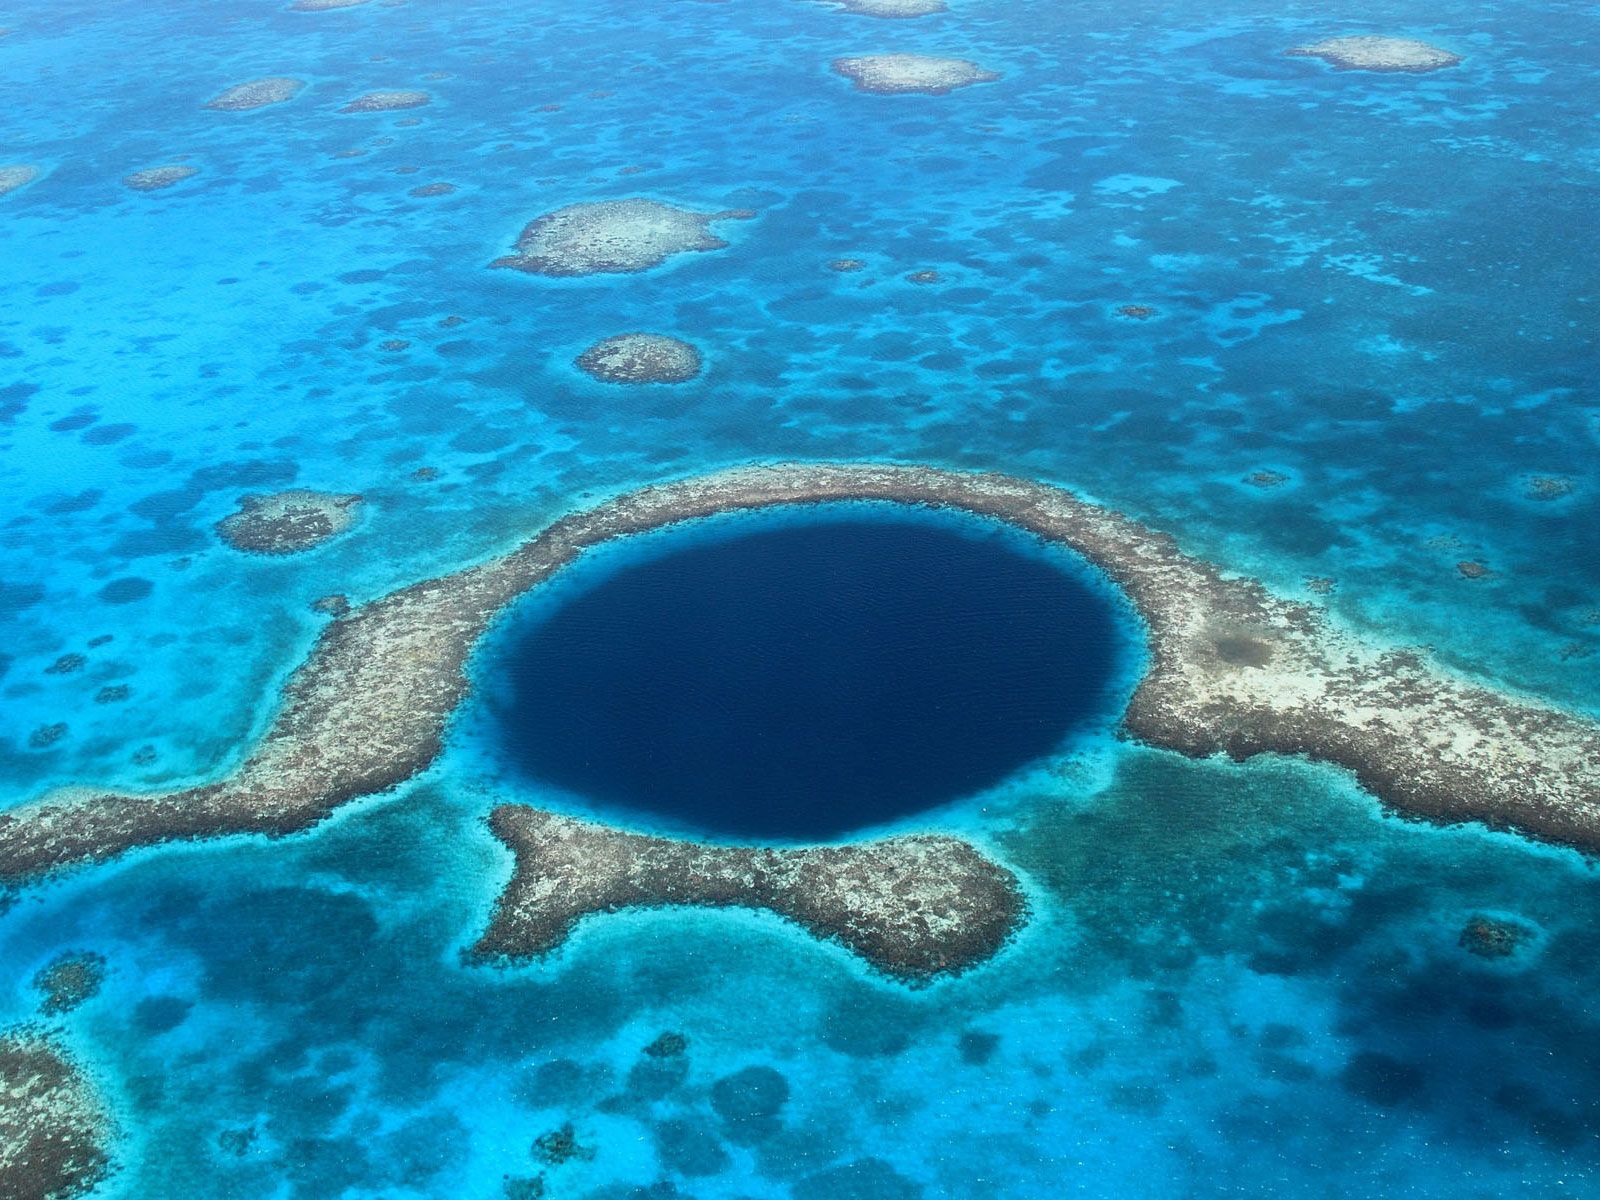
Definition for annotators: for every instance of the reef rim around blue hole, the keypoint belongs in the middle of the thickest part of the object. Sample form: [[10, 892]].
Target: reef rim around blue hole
[[803, 674]]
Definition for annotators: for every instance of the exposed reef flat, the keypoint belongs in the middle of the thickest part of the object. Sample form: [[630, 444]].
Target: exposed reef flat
[[1233, 669], [640, 358], [258, 93], [613, 235], [913, 907], [53, 1128], [890, 8], [387, 102], [16, 176], [1373, 53], [287, 522], [153, 179], [896, 74]]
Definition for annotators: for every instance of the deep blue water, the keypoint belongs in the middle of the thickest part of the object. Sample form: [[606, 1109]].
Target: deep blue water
[[808, 679], [1236, 980]]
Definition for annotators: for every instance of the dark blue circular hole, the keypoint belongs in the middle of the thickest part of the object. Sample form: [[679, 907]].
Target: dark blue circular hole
[[803, 678]]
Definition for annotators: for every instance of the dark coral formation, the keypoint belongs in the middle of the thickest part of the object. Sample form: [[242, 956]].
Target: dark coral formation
[[336, 605], [323, 5], [427, 190], [640, 358], [1493, 937], [67, 664], [1370, 52], [924, 276], [613, 236], [1472, 569], [387, 101], [54, 1133], [843, 265], [1266, 478], [153, 179], [914, 907], [68, 981], [897, 74], [1136, 312], [257, 93], [1548, 487], [46, 736], [287, 522], [1233, 669]]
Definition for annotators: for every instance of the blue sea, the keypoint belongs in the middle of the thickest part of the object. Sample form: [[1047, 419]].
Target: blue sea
[[1373, 354]]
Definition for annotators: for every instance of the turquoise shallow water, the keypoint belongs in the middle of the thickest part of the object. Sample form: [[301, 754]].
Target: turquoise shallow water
[[1235, 979]]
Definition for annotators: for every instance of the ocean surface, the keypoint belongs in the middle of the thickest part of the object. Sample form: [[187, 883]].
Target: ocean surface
[[1371, 356]]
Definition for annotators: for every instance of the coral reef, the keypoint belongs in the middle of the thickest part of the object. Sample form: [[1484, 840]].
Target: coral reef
[[68, 981], [287, 522], [613, 236], [640, 358], [54, 1132], [16, 175], [257, 93], [153, 179], [895, 74], [914, 907], [1374, 53], [387, 101], [1233, 669]]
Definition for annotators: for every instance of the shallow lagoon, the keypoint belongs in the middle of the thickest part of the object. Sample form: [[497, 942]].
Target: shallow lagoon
[[1235, 979]]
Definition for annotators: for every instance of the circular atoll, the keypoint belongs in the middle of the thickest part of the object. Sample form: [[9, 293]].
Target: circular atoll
[[17, 175], [891, 8], [640, 358], [613, 236], [54, 1130], [257, 93], [387, 101], [153, 179], [287, 522], [1233, 670], [1370, 52], [896, 74]]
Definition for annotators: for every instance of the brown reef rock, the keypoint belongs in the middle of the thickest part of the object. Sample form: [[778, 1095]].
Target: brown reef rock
[[640, 358], [898, 74], [613, 236], [287, 522], [257, 93], [1368, 52], [914, 907], [54, 1131]]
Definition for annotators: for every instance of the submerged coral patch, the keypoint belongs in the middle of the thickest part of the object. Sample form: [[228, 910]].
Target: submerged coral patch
[[894, 74], [287, 522], [1369, 52], [153, 179], [16, 175], [68, 981], [640, 358], [388, 101], [891, 8], [257, 93], [612, 236]]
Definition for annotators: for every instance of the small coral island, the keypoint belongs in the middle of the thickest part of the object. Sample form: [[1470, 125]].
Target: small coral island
[[153, 179], [896, 74], [914, 907], [387, 101], [1233, 669], [613, 236], [640, 358], [1373, 53], [54, 1130], [258, 93], [287, 522], [891, 8]]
